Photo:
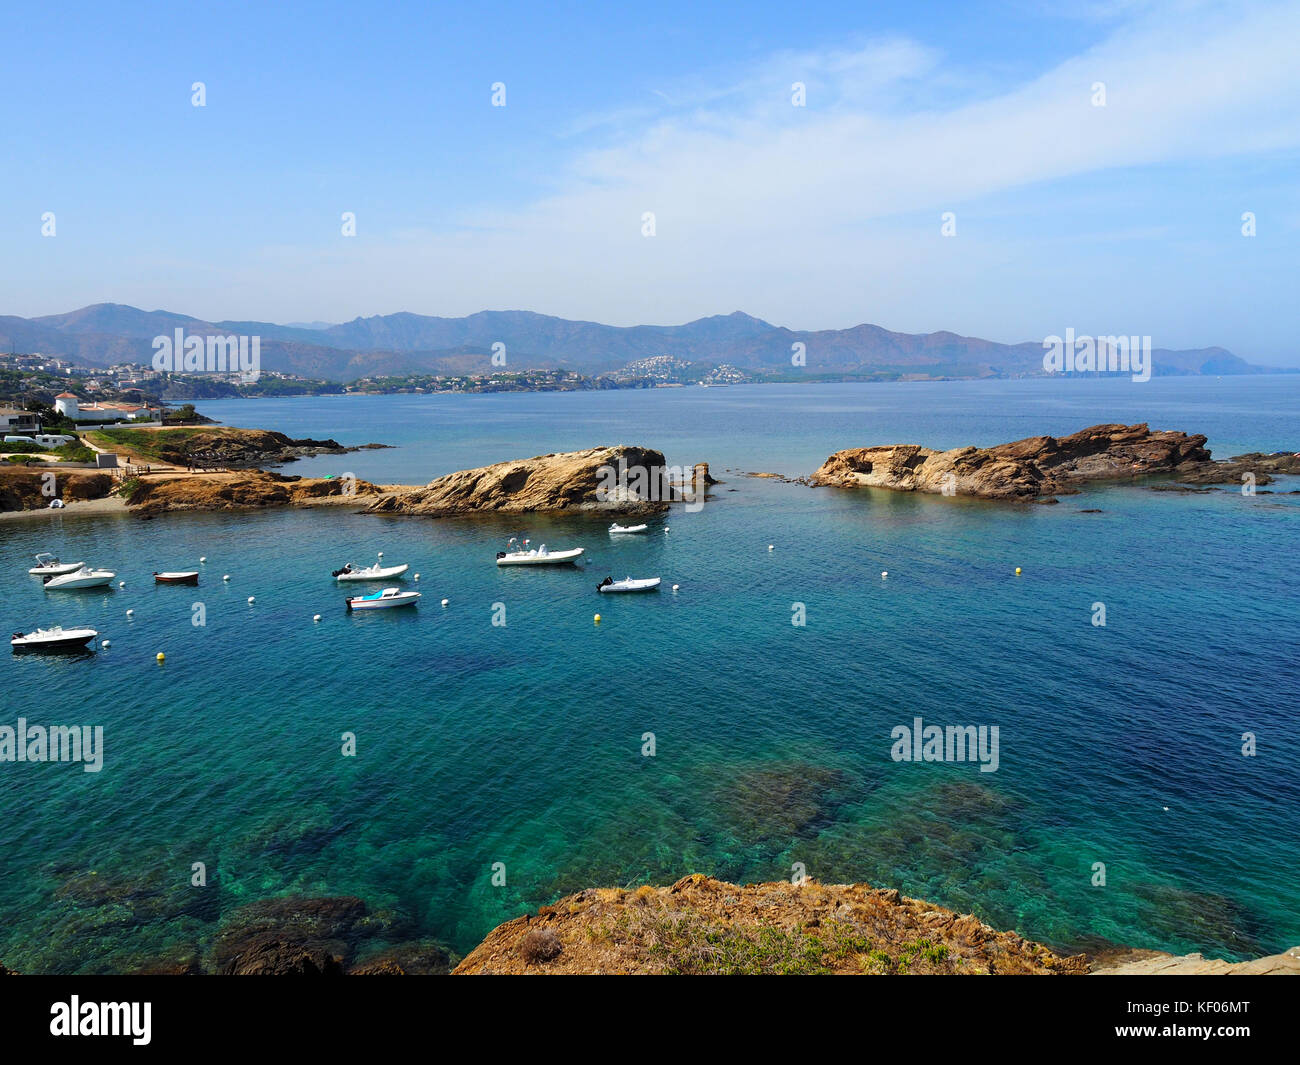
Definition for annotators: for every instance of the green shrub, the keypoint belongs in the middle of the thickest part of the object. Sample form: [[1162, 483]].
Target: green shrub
[[75, 452]]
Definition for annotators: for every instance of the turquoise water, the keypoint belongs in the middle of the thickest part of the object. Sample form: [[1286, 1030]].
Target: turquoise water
[[522, 744]]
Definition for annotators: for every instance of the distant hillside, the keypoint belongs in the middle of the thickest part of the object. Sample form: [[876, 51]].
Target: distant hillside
[[107, 333]]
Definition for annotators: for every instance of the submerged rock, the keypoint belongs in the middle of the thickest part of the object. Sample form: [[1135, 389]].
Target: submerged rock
[[300, 936]]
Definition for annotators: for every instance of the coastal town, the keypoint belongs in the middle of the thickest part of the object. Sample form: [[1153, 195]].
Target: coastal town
[[39, 378]]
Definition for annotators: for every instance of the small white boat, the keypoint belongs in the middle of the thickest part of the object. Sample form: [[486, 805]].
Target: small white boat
[[389, 597], [617, 528], [56, 638], [369, 573], [47, 565], [649, 584], [84, 577], [538, 556]]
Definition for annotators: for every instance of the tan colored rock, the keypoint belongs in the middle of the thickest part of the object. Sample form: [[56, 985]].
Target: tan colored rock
[[252, 489], [1155, 963], [1023, 470], [621, 479]]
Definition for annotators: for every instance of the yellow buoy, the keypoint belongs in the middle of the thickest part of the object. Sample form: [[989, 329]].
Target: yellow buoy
[[161, 656], [1017, 571], [597, 619]]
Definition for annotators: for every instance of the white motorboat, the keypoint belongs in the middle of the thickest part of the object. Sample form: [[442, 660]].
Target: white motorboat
[[84, 577], [56, 638], [649, 584], [617, 528], [376, 572], [537, 556], [47, 565], [389, 597]]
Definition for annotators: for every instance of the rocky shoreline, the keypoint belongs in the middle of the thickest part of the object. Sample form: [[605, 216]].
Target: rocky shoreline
[[632, 480], [697, 926]]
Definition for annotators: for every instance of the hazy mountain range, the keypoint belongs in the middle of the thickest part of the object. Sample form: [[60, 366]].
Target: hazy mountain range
[[108, 333]]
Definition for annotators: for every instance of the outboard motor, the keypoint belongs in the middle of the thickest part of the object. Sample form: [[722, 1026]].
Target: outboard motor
[[607, 580], [340, 572], [501, 554]]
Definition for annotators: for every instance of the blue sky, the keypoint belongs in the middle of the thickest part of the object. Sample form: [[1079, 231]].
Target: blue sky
[[1122, 219]]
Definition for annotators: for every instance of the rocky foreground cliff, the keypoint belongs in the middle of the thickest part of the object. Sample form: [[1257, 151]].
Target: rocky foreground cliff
[[704, 926], [1040, 467], [622, 479]]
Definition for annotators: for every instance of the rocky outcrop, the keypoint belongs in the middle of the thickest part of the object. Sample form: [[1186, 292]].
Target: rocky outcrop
[[24, 489], [221, 447], [1024, 470], [622, 479], [1239, 468], [244, 490], [701, 926]]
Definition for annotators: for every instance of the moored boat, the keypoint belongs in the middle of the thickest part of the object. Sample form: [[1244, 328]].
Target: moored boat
[[56, 638], [538, 556], [376, 572], [617, 528], [47, 565], [648, 584], [389, 597], [83, 577], [182, 577]]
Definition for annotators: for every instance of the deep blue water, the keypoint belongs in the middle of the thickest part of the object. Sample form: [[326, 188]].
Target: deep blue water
[[522, 744]]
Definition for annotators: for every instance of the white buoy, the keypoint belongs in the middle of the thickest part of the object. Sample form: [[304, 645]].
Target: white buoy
[[675, 587], [665, 528], [417, 576], [129, 613], [121, 584], [884, 573], [105, 644], [204, 558], [381, 554], [771, 547], [445, 601], [250, 599], [315, 617], [225, 576]]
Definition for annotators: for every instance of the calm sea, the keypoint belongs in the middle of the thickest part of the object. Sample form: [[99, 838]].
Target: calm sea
[[522, 744]]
